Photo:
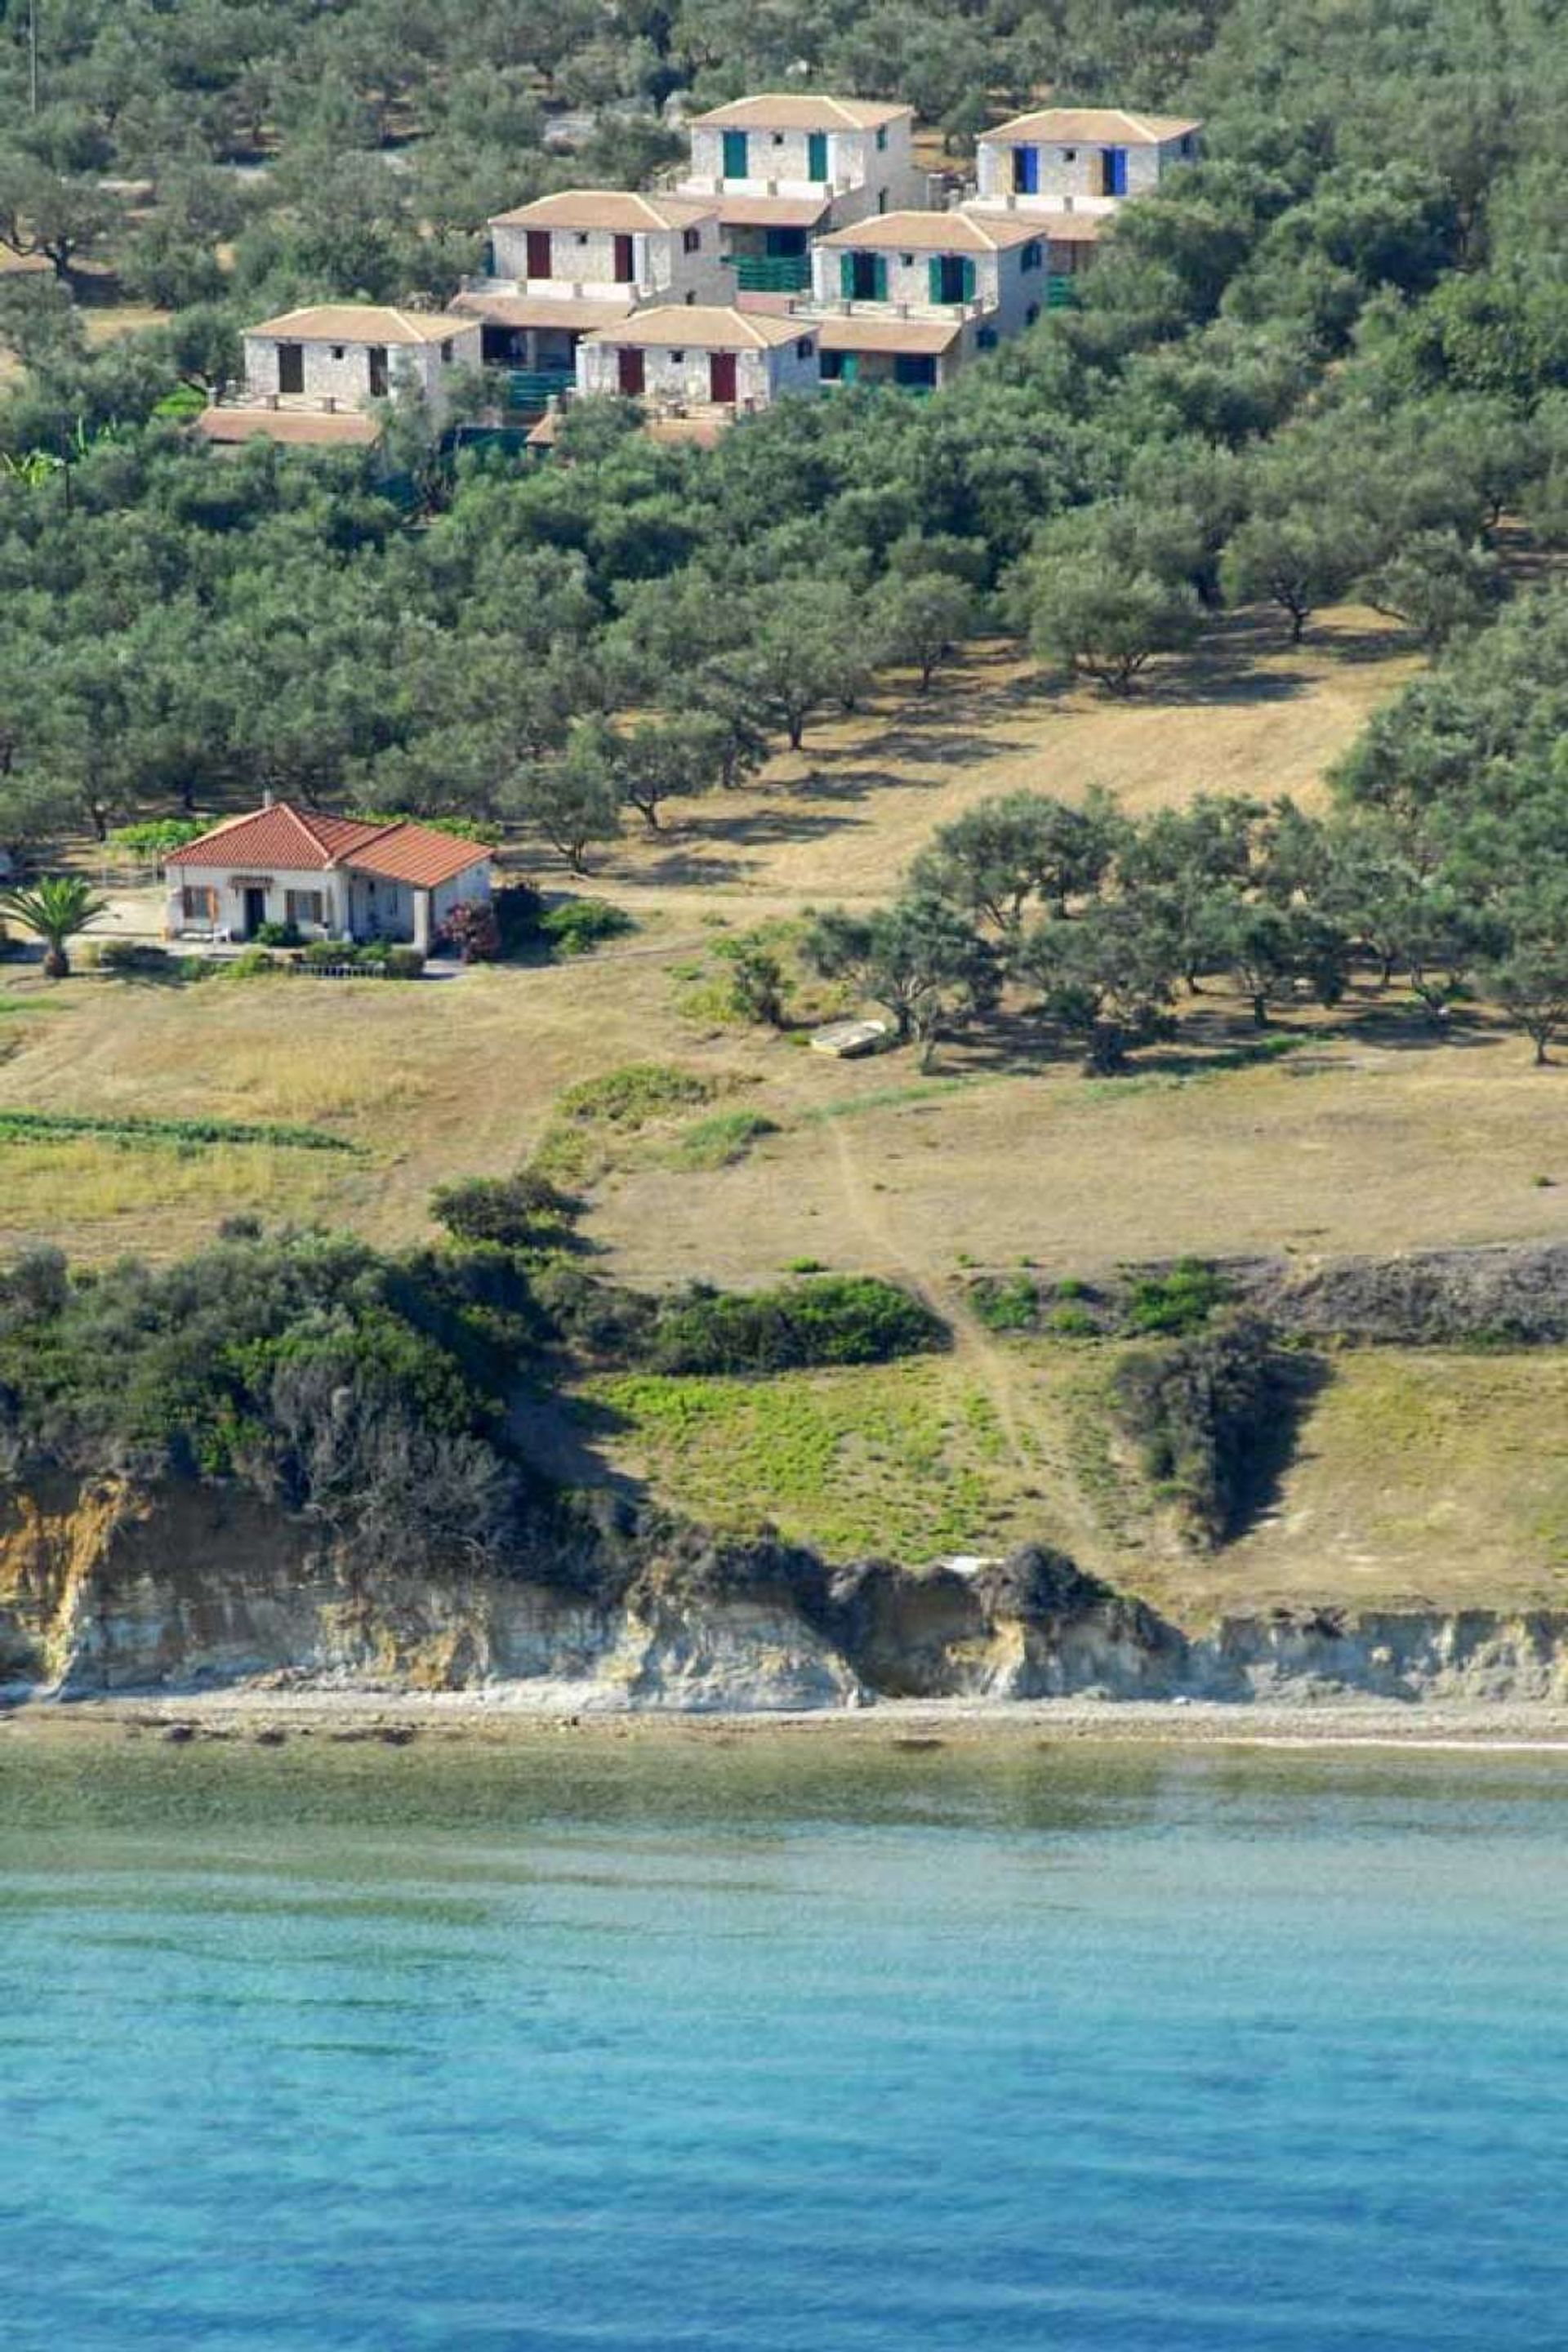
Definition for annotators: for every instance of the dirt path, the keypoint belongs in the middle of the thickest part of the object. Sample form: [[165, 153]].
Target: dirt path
[[972, 1344]]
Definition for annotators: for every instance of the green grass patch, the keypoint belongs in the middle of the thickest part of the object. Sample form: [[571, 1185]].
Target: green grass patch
[[44, 1126], [906, 1460], [721, 1140], [592, 1121], [1006, 1302], [28, 1004]]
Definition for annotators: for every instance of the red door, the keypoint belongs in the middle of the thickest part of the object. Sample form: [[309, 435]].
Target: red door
[[631, 362], [721, 377], [624, 273], [539, 252]]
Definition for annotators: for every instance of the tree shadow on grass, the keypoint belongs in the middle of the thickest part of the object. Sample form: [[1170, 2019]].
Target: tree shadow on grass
[[564, 1438], [1297, 1378]]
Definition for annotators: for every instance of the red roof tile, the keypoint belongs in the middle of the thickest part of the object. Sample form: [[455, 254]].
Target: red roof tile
[[301, 843]]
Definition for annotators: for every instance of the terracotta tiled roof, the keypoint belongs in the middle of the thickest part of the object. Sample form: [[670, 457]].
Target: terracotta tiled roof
[[1093, 126], [799, 111], [612, 208], [772, 212], [861, 333], [296, 841], [697, 327], [566, 311], [1061, 228], [417, 853], [301, 428], [935, 232], [361, 322]]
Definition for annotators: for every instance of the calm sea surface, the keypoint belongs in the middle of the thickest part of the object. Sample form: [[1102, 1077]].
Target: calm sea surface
[[781, 2047]]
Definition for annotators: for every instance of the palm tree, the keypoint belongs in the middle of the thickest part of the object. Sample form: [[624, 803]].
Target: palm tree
[[53, 909]]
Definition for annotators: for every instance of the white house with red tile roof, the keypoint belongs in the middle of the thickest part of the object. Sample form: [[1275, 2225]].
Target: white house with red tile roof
[[333, 878]]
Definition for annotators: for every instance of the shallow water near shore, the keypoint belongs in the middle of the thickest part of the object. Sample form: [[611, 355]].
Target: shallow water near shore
[[679, 2044]]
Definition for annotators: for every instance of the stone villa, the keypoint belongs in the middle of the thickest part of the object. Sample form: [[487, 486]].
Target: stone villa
[[801, 249]]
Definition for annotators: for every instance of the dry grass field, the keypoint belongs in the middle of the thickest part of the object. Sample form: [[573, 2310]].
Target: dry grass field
[[1418, 1477]]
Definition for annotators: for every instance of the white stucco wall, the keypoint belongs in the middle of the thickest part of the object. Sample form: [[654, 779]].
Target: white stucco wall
[[783, 158], [473, 883], [340, 371], [229, 889], [1070, 176], [683, 378], [585, 260]]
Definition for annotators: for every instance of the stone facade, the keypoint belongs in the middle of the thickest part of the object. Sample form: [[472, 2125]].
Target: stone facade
[[681, 377], [1007, 286], [1072, 175], [865, 171], [345, 371], [675, 265]]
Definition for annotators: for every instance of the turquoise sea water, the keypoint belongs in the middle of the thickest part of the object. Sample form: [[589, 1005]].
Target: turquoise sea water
[[778, 2046]]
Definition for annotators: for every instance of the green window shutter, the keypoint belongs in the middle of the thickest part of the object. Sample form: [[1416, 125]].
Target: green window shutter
[[934, 274], [847, 276], [968, 279], [817, 155], [880, 276], [849, 370]]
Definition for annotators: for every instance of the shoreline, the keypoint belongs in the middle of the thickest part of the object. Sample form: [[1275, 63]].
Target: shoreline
[[398, 1719]]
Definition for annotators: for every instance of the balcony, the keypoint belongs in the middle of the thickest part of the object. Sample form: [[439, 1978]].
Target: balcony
[[772, 273]]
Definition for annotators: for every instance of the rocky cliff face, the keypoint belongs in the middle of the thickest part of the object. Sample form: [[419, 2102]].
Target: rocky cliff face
[[107, 1589]]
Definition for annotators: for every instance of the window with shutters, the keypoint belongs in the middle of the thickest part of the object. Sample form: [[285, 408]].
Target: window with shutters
[[691, 240], [304, 906], [1031, 257]]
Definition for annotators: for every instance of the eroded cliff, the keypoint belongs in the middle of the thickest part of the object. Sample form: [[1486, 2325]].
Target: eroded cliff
[[108, 1588]]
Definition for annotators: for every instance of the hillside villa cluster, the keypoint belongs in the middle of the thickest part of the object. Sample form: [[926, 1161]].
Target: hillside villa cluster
[[804, 248]]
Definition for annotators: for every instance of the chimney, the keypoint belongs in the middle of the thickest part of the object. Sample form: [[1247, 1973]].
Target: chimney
[[267, 798]]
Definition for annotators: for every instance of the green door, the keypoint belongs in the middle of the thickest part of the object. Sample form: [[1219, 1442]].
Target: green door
[[735, 155], [817, 155]]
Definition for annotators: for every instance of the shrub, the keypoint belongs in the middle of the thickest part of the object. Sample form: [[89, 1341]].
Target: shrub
[[1182, 1301], [1199, 1410], [517, 910], [1074, 1323], [1006, 1302], [461, 828], [831, 1320], [473, 930], [278, 935], [577, 926], [158, 835], [134, 959], [252, 963], [405, 964], [721, 1140], [520, 1211], [601, 1316]]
